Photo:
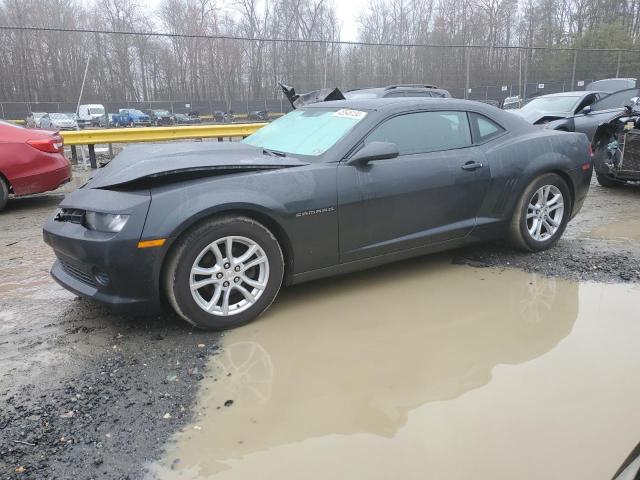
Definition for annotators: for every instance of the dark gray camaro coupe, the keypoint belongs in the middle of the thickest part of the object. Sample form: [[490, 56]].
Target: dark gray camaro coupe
[[217, 228]]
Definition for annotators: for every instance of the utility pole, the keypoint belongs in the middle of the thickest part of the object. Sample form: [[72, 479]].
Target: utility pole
[[84, 79]]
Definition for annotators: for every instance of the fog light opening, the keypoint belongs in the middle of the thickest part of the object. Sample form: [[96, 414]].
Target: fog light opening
[[101, 276]]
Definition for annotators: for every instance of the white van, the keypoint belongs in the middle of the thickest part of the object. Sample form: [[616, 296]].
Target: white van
[[91, 114]]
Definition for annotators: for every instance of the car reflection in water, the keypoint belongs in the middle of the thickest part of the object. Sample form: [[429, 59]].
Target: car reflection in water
[[358, 353]]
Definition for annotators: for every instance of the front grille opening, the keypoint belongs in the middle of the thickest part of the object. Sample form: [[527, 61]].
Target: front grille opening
[[78, 274]]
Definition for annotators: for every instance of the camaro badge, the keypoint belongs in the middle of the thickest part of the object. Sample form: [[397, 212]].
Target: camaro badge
[[316, 211]]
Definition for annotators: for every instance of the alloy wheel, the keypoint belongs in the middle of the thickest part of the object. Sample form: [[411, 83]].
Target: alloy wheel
[[544, 213], [229, 275]]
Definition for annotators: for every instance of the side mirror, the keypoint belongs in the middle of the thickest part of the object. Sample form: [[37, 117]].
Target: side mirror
[[374, 151], [586, 110]]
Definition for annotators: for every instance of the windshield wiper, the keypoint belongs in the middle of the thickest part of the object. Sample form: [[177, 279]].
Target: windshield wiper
[[273, 153]]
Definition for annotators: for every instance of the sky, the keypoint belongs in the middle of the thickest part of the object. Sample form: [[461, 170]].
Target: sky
[[348, 12]]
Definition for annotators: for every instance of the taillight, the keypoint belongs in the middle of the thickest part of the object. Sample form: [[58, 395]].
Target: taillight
[[49, 145]]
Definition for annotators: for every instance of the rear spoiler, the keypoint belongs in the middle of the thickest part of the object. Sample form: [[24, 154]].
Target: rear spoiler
[[323, 95]]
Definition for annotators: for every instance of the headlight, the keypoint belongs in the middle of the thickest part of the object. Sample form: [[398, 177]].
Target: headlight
[[105, 222]]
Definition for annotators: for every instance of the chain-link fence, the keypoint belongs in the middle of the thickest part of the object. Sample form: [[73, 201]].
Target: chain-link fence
[[206, 75]]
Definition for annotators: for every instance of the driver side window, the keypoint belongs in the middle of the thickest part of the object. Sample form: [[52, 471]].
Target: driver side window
[[588, 100], [423, 132]]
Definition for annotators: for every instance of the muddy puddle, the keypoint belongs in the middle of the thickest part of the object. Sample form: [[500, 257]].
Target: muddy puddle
[[422, 370], [626, 231]]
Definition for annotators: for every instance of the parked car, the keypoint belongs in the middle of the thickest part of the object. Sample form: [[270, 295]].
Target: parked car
[[182, 119], [591, 116], [258, 116], [395, 91], [58, 121], [108, 120], [611, 85], [557, 106], [33, 119], [329, 188], [131, 117], [31, 161], [160, 117], [89, 115], [223, 117], [72, 115], [616, 148], [511, 103]]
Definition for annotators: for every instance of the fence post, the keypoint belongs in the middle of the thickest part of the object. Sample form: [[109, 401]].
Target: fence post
[[2, 108], [573, 71], [618, 67], [466, 82], [92, 156], [526, 76], [520, 73]]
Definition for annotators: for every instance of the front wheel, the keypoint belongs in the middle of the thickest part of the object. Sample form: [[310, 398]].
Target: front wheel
[[541, 214], [224, 273], [4, 193]]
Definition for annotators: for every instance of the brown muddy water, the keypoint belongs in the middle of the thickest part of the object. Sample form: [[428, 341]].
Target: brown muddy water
[[627, 231], [423, 370]]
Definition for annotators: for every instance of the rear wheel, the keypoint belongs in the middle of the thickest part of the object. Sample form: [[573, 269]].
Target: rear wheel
[[541, 215], [606, 181], [4, 193], [224, 273]]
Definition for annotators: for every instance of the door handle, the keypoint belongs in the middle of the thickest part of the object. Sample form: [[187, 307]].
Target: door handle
[[471, 166]]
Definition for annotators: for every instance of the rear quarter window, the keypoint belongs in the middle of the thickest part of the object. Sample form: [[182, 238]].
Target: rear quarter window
[[484, 128]]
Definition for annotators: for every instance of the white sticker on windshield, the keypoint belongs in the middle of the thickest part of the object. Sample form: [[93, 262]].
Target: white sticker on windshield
[[346, 113]]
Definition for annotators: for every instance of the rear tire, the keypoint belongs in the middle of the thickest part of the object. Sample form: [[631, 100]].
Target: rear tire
[[4, 193], [606, 181], [215, 289], [541, 215]]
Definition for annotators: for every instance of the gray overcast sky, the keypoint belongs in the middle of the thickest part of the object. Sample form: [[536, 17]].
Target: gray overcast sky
[[348, 12]]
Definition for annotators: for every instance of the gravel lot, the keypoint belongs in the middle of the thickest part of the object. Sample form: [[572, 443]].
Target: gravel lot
[[89, 394]]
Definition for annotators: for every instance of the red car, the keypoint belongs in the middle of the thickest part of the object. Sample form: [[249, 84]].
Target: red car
[[31, 161]]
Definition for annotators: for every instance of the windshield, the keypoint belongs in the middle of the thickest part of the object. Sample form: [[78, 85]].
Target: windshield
[[551, 104], [136, 112], [59, 116], [306, 132], [161, 112], [96, 111]]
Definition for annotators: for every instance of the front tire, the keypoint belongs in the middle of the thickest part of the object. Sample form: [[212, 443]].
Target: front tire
[[224, 273], [4, 193], [541, 215]]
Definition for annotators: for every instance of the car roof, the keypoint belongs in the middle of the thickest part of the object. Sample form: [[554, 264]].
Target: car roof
[[576, 93], [385, 103]]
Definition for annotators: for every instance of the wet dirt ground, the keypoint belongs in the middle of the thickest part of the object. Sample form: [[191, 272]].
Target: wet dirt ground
[[489, 356]]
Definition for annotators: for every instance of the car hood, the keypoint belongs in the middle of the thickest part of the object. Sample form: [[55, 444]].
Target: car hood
[[178, 161], [534, 116]]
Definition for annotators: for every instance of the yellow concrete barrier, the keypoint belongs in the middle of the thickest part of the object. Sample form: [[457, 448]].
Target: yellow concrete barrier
[[158, 134]]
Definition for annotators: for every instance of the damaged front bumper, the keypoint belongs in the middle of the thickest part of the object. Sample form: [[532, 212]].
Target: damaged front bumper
[[104, 266]]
